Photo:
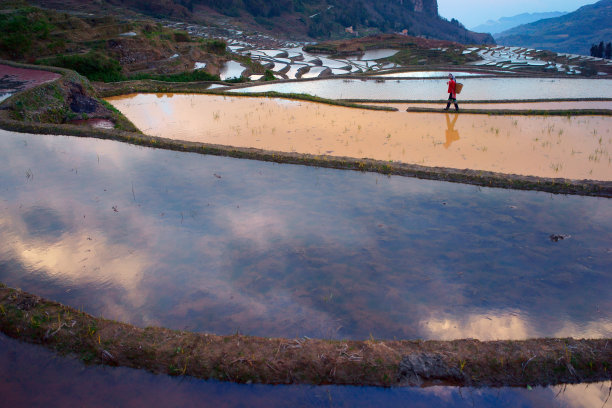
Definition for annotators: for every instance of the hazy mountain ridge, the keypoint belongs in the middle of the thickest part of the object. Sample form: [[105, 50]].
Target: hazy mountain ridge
[[308, 19], [572, 33], [506, 23]]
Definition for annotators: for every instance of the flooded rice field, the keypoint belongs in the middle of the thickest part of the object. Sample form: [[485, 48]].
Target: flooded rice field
[[431, 74], [213, 244], [435, 89], [35, 377], [574, 148], [231, 69]]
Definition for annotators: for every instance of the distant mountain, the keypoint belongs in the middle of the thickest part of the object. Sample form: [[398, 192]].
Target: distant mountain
[[304, 19], [572, 33], [506, 23]]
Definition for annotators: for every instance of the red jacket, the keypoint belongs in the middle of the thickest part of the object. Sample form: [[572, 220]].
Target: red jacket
[[452, 85]]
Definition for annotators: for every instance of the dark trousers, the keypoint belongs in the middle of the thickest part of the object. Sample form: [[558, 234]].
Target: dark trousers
[[453, 100]]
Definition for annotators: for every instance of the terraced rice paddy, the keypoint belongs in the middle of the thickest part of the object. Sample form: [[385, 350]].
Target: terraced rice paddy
[[155, 237], [484, 89], [431, 74], [231, 70], [575, 148], [213, 244]]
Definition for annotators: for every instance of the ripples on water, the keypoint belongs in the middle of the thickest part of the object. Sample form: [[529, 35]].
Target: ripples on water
[[156, 237]]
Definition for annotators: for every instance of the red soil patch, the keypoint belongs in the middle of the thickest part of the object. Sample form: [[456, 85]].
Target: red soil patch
[[22, 79]]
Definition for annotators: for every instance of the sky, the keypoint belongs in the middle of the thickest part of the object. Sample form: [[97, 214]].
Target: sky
[[474, 12]]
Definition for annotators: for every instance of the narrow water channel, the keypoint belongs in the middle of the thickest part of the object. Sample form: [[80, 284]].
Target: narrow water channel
[[213, 244]]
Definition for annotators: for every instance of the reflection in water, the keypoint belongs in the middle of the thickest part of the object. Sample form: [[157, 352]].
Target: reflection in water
[[451, 134], [156, 237], [231, 69], [431, 74], [575, 148], [61, 382]]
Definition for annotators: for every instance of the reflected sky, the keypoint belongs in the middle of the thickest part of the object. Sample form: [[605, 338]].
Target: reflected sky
[[431, 74], [575, 148], [35, 377], [435, 89], [215, 244]]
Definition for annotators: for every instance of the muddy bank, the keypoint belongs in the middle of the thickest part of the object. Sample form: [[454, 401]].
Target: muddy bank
[[246, 359], [475, 101], [523, 112]]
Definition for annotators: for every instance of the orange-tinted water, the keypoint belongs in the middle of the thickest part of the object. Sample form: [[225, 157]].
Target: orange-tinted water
[[575, 148]]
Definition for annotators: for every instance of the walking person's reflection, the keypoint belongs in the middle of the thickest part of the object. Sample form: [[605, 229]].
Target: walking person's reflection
[[451, 134]]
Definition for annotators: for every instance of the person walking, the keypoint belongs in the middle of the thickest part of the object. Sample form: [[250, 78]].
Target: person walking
[[452, 92]]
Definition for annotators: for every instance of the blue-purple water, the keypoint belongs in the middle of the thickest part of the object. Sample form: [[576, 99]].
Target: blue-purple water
[[213, 244]]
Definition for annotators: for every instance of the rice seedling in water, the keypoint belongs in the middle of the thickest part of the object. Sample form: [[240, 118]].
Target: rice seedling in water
[[556, 167]]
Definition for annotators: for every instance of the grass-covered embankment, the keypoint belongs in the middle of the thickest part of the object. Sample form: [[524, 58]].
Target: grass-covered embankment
[[519, 112], [242, 358], [70, 97]]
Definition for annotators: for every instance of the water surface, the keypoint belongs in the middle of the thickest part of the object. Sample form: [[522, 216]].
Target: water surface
[[435, 89], [431, 74], [231, 69], [213, 244], [574, 148]]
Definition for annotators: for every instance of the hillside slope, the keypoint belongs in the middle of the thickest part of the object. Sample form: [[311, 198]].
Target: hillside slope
[[572, 33], [301, 19]]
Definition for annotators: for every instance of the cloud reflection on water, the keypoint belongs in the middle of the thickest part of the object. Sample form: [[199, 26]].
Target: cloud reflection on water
[[290, 251]]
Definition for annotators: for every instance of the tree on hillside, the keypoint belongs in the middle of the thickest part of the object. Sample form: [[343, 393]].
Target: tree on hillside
[[601, 51]]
